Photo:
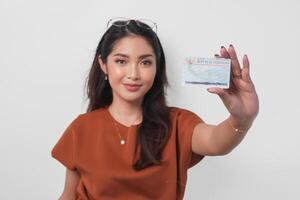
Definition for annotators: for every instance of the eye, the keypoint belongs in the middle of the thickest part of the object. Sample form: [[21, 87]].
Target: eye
[[120, 61], [147, 62]]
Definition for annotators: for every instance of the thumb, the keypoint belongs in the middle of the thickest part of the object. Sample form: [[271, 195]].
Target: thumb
[[223, 94], [215, 90]]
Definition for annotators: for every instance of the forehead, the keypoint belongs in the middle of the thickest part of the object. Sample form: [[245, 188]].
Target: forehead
[[133, 46]]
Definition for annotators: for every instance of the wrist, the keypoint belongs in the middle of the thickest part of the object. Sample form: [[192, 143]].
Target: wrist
[[239, 124]]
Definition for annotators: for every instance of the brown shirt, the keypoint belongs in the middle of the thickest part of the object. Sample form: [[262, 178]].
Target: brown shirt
[[91, 145]]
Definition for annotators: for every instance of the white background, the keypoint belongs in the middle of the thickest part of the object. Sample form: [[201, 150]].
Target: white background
[[46, 50]]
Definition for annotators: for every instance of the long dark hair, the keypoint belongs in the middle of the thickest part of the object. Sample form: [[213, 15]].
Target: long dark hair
[[155, 129]]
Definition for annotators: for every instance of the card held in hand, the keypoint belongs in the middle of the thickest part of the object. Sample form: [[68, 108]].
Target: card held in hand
[[207, 72]]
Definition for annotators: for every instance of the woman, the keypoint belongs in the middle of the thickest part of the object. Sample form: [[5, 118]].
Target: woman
[[130, 144]]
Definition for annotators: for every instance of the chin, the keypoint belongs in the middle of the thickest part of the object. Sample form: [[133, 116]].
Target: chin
[[133, 97]]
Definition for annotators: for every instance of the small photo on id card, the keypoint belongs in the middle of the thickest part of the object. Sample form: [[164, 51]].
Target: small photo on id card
[[207, 72]]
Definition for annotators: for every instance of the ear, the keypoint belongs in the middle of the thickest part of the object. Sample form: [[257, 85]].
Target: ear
[[102, 65]]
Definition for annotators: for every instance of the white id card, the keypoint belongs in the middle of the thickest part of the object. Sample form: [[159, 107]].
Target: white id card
[[207, 72]]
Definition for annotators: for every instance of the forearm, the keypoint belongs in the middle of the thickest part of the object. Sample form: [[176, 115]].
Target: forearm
[[224, 137]]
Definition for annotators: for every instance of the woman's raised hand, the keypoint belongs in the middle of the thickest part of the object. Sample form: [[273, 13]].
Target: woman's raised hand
[[240, 99]]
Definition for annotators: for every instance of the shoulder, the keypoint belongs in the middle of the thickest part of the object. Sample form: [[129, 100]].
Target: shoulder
[[183, 114], [89, 118], [178, 109]]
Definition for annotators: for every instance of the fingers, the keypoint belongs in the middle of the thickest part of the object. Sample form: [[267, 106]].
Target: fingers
[[246, 69], [236, 71], [236, 68], [224, 53]]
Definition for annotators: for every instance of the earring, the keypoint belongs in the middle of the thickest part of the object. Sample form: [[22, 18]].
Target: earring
[[105, 77]]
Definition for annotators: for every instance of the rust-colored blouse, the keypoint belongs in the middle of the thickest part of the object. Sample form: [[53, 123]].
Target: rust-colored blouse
[[91, 145]]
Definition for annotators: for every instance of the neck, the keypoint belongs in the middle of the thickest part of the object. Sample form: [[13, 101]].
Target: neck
[[126, 112]]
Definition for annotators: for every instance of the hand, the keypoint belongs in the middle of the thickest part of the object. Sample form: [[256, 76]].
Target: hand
[[240, 99]]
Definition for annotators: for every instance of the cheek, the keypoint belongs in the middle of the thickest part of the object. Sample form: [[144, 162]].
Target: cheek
[[116, 73], [149, 76]]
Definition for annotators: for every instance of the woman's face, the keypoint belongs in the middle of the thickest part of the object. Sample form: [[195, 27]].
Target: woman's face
[[131, 68]]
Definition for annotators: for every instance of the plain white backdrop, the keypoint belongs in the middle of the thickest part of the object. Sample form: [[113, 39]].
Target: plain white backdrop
[[46, 50]]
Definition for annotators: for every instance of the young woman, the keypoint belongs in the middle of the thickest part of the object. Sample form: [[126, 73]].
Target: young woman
[[130, 144]]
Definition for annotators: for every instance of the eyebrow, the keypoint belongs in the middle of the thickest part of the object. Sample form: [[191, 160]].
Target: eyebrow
[[124, 55]]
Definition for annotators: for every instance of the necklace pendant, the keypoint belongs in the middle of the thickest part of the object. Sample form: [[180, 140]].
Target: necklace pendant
[[122, 141]]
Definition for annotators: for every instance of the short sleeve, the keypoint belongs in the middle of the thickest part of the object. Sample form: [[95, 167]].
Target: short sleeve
[[64, 149], [186, 122]]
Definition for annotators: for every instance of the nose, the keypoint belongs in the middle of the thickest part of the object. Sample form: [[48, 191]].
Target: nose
[[134, 72]]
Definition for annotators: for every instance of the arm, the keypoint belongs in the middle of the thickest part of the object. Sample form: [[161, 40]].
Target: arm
[[72, 179], [215, 140], [240, 100]]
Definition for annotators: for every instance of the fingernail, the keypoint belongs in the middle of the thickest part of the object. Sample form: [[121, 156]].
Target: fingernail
[[222, 47], [210, 90], [231, 45], [216, 55]]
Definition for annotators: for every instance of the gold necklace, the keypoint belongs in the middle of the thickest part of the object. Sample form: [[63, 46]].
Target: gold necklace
[[122, 141]]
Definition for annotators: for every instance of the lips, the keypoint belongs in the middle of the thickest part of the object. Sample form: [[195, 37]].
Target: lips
[[132, 87]]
